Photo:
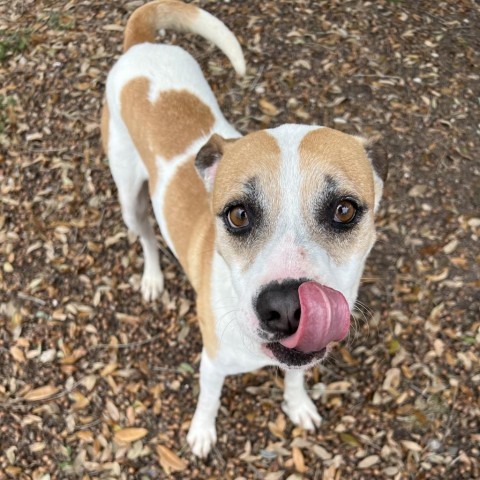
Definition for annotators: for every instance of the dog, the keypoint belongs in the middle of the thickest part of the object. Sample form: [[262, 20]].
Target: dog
[[272, 228]]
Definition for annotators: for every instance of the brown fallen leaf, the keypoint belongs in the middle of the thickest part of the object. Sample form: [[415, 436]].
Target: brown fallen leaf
[[412, 446], [41, 393], [80, 401], [268, 108], [277, 428], [85, 435], [17, 354], [127, 435], [109, 369], [298, 460], [169, 460], [369, 461]]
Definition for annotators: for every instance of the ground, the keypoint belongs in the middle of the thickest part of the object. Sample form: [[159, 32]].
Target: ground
[[83, 359]]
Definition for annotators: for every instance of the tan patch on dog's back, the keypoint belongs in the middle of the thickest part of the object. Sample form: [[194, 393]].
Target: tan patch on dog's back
[[340, 154], [191, 229], [165, 127]]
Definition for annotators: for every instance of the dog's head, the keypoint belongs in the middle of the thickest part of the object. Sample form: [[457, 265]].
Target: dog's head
[[294, 210]]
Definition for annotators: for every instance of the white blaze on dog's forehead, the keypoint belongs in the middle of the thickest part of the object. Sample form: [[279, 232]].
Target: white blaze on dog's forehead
[[288, 138]]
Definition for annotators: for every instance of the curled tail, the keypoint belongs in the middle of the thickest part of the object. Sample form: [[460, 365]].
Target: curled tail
[[144, 23]]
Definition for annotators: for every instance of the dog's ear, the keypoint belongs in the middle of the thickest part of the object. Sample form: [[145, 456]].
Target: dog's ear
[[207, 159], [378, 156]]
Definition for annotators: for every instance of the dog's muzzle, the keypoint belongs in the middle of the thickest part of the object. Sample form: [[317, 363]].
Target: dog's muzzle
[[302, 317]]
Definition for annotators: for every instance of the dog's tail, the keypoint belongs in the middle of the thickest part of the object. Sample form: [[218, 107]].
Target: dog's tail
[[144, 23]]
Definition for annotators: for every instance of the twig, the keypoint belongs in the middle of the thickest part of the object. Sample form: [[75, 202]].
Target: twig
[[24, 296]]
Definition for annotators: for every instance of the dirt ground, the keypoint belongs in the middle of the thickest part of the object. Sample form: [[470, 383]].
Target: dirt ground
[[83, 360]]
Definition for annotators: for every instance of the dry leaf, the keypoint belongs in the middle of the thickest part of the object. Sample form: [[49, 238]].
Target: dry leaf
[[109, 369], [81, 401], [169, 460], [37, 447], [321, 453], [275, 475], [298, 460], [277, 428], [112, 410], [369, 461], [268, 108], [17, 354], [127, 435], [41, 393], [85, 435], [412, 446]]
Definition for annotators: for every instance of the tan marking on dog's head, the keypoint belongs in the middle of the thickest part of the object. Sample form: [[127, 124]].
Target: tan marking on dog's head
[[144, 23], [191, 229], [247, 173], [256, 155], [165, 127], [330, 159], [104, 126], [341, 156]]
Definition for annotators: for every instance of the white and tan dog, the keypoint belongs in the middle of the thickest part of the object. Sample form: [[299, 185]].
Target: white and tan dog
[[272, 228]]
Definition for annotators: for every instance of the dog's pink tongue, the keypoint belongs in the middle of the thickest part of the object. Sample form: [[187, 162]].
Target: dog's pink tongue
[[325, 318]]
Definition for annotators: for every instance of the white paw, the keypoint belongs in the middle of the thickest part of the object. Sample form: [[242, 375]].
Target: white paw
[[302, 412], [201, 438], [152, 286]]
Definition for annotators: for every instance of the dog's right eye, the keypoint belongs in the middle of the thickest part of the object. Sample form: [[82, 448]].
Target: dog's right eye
[[345, 212], [237, 218]]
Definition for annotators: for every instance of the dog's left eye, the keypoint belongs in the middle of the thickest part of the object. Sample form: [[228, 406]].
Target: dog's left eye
[[237, 218], [345, 212]]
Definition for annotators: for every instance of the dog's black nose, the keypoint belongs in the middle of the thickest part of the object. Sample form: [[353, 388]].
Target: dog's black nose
[[278, 307]]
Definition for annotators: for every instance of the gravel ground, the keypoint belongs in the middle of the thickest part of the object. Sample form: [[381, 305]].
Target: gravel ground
[[96, 384]]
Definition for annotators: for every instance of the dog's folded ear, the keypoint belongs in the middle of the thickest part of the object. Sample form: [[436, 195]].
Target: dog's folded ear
[[378, 156], [208, 157]]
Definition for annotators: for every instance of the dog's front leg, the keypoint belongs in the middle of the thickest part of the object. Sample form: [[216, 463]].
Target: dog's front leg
[[202, 434], [297, 404]]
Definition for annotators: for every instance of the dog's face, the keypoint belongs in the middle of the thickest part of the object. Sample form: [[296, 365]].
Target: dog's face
[[294, 210]]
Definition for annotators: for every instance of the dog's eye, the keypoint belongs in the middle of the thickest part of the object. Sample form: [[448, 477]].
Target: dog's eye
[[237, 217], [345, 212]]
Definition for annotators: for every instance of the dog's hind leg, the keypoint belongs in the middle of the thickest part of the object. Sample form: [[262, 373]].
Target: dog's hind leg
[[131, 179]]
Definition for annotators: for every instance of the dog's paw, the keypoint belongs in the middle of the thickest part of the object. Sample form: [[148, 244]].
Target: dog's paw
[[303, 413], [201, 439], [152, 286]]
